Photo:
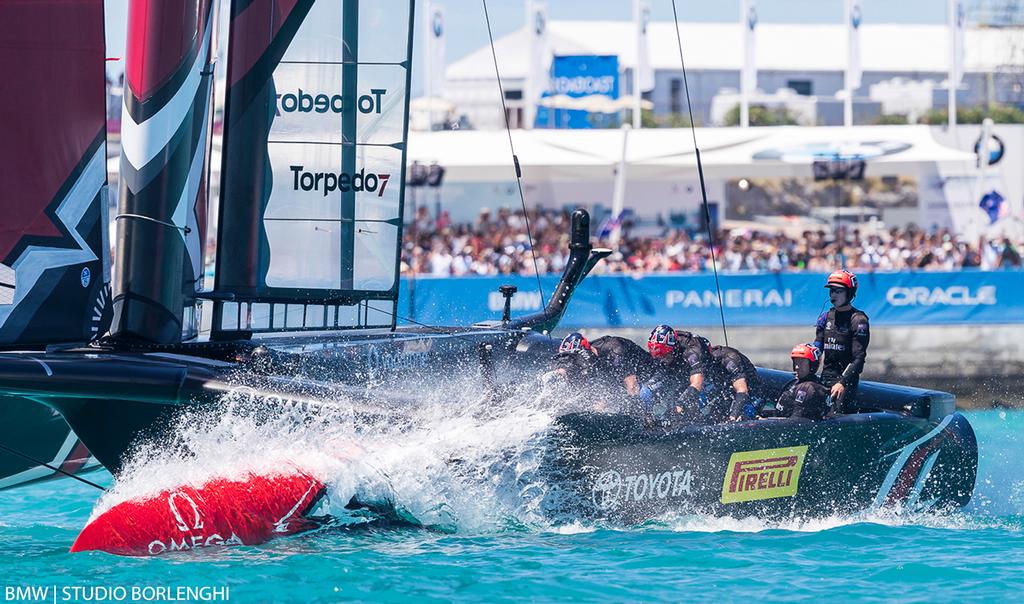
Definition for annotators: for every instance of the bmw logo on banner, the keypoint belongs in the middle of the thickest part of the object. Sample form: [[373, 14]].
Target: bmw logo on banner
[[996, 149], [437, 24]]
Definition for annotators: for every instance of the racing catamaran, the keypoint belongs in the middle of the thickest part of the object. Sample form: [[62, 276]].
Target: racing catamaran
[[54, 253], [305, 296]]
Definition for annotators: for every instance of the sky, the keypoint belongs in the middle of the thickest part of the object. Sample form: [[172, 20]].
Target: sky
[[466, 29]]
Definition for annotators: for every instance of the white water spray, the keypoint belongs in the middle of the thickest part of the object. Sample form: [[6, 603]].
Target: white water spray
[[455, 461]]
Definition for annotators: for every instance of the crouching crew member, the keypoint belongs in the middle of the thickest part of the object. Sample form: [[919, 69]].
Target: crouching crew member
[[679, 379], [805, 396], [624, 361], [842, 335], [732, 367], [610, 369]]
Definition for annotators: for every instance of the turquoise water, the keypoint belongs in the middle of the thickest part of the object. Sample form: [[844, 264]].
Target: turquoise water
[[977, 555]]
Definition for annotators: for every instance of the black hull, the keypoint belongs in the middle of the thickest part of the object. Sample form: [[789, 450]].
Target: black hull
[[616, 470], [39, 434], [912, 452]]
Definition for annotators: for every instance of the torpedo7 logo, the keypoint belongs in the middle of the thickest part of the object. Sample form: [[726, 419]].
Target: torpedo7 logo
[[329, 182]]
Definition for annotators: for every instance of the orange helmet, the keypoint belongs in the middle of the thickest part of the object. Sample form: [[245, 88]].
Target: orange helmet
[[843, 278], [806, 351]]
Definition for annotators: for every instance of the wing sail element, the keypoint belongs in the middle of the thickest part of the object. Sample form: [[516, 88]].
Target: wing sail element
[[161, 222], [314, 157], [54, 257]]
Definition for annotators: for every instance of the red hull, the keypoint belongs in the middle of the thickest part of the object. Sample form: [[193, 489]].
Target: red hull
[[220, 512]]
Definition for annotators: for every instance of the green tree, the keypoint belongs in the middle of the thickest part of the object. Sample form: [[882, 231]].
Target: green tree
[[672, 120], [892, 119], [1000, 114], [647, 119], [762, 116]]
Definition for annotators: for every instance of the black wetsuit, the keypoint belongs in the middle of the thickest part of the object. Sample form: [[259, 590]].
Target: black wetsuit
[[620, 358], [728, 365], [670, 384], [806, 398], [843, 336], [603, 375]]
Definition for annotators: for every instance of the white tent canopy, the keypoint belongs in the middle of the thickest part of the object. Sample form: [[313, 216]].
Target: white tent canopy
[[668, 154]]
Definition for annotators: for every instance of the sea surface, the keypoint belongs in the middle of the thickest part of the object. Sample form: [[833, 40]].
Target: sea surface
[[485, 551]]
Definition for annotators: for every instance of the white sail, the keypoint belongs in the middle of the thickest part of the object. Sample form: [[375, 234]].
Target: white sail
[[314, 156]]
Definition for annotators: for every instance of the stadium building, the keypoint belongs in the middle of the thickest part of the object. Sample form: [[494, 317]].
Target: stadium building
[[905, 69]]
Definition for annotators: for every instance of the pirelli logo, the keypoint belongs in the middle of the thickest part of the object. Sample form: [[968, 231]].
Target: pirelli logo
[[765, 474]]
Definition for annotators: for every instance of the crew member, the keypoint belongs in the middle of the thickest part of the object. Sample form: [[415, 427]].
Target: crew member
[[624, 361], [610, 368], [842, 335], [805, 396], [731, 367], [679, 380]]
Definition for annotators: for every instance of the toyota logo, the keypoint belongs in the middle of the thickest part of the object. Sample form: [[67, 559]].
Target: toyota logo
[[607, 490]]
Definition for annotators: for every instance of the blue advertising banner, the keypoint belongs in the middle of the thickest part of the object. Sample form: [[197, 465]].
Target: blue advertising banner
[[579, 76], [770, 299]]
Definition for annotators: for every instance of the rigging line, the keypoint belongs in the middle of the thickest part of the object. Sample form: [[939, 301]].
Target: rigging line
[[50, 467], [398, 316], [184, 229], [700, 174], [515, 158]]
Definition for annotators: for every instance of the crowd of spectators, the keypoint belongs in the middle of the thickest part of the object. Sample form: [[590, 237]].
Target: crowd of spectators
[[497, 243]]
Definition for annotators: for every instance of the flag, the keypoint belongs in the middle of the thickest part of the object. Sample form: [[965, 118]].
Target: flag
[[748, 77], [612, 223], [957, 20], [435, 50], [853, 23], [644, 71], [994, 205], [540, 63]]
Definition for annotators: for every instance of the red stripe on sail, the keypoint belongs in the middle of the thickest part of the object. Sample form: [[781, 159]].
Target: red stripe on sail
[[252, 33], [53, 61], [161, 36]]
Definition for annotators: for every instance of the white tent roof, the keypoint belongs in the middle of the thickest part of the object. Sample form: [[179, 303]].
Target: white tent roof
[[667, 154], [885, 47]]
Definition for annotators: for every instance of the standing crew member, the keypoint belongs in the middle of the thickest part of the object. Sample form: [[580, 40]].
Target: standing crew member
[[843, 335], [805, 396], [679, 380], [732, 367]]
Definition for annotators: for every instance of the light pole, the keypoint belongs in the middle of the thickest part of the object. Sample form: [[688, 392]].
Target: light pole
[[839, 168]]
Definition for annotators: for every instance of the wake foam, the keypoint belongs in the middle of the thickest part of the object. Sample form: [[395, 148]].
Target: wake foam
[[457, 462]]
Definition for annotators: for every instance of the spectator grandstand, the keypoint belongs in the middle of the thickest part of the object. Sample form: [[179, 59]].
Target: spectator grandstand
[[497, 243]]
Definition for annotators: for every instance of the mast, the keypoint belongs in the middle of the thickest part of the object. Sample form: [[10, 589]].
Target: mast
[[349, 90], [162, 207]]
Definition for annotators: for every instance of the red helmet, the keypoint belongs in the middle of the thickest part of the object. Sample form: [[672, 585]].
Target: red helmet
[[806, 351], [662, 341], [843, 278]]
